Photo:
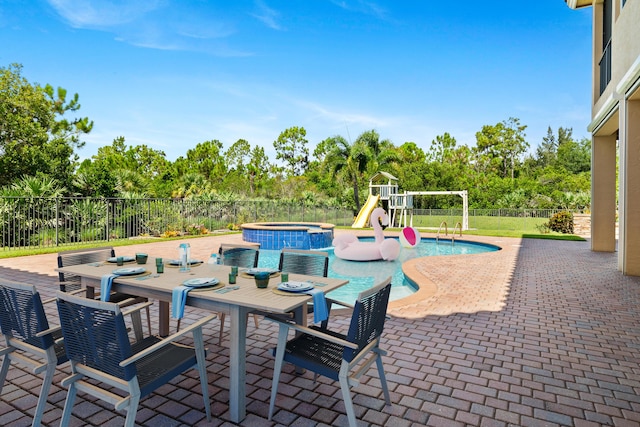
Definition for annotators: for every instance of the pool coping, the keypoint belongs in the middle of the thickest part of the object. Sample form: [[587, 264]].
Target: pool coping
[[287, 226]]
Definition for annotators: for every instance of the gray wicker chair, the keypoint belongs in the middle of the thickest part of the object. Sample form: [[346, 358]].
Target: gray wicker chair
[[341, 357], [242, 256], [98, 346], [310, 262], [313, 263], [245, 256], [29, 340], [71, 283]]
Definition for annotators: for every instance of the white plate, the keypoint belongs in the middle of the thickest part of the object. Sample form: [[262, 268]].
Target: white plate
[[124, 259], [128, 271], [201, 282], [295, 286], [254, 271], [178, 262]]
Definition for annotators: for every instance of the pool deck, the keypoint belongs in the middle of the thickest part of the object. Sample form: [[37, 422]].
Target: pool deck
[[540, 333]]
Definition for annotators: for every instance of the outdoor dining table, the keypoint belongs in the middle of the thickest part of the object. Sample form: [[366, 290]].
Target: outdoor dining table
[[243, 298]]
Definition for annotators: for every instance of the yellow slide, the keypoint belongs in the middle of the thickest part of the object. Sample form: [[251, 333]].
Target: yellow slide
[[365, 212]]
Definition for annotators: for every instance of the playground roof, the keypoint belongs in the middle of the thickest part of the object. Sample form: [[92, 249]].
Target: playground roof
[[384, 174]]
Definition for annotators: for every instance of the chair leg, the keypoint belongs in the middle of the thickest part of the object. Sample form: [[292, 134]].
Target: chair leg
[[277, 367], [202, 370], [222, 316], [68, 405], [136, 320], [132, 410], [348, 403], [6, 361], [149, 320], [44, 393], [255, 321], [383, 380]]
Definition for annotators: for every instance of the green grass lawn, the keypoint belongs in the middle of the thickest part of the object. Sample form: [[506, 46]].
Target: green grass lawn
[[481, 223]]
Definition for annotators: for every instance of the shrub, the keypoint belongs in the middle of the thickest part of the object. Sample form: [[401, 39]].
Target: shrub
[[561, 222], [197, 229], [170, 233]]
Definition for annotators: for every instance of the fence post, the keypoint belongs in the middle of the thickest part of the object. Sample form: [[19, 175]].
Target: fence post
[[57, 201], [106, 201]]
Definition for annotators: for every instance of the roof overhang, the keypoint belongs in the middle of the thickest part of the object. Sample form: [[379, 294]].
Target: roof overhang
[[385, 175], [577, 4]]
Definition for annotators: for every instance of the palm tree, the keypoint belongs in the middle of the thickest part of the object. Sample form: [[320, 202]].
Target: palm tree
[[348, 161], [355, 161]]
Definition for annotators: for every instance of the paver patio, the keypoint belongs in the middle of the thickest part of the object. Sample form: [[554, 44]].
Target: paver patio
[[541, 333]]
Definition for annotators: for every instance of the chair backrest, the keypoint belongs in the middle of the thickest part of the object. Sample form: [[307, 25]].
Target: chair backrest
[[71, 282], [95, 334], [243, 256], [22, 315], [313, 263], [369, 315]]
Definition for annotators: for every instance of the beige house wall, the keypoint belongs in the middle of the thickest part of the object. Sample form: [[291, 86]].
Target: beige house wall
[[625, 47], [603, 193], [630, 193], [616, 130]]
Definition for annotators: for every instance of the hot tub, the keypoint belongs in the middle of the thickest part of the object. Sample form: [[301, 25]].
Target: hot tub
[[294, 235]]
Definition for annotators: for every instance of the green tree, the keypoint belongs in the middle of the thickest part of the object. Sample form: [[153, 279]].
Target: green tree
[[35, 136], [257, 169], [238, 155], [575, 156], [442, 148], [547, 151], [291, 148], [500, 147], [353, 164], [120, 168], [383, 154], [205, 159], [347, 162]]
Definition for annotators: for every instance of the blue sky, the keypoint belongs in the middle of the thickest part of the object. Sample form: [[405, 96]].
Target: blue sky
[[171, 74]]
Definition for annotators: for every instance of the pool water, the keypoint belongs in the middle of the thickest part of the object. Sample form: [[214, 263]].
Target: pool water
[[363, 275]]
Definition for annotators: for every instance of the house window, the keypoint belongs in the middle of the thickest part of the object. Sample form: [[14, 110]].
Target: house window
[[605, 59]]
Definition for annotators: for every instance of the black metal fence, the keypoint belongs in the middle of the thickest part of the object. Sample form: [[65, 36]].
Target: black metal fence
[[49, 222], [43, 222]]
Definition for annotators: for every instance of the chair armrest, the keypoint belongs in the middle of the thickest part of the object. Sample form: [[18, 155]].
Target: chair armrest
[[76, 292], [136, 308], [48, 331], [167, 340], [48, 301], [343, 304], [314, 332]]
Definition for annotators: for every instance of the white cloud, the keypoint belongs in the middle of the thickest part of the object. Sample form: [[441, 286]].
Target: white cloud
[[153, 24], [267, 15], [362, 6], [87, 14]]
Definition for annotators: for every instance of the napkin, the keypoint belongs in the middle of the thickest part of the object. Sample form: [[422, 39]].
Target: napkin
[[105, 286], [320, 312], [178, 299]]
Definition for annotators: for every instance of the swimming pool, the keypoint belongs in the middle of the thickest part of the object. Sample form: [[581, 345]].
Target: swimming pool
[[363, 275]]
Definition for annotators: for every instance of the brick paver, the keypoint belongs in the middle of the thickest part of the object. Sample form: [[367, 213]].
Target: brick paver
[[541, 333]]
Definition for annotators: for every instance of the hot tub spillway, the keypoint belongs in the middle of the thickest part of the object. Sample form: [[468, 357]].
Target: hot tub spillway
[[279, 235]]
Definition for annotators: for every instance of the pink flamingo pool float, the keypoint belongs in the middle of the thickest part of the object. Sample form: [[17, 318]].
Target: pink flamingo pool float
[[347, 246]]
